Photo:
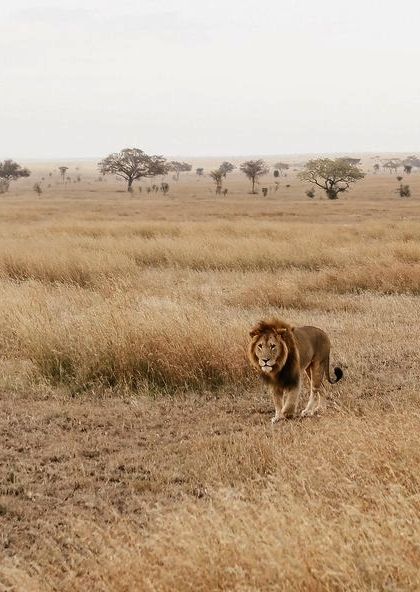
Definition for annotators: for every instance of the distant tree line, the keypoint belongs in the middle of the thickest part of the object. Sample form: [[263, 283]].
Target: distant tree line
[[333, 176]]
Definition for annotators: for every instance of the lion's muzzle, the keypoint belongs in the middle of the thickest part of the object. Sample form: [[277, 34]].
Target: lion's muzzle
[[265, 367]]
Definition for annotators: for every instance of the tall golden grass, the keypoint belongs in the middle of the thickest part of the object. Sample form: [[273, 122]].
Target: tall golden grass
[[168, 304]]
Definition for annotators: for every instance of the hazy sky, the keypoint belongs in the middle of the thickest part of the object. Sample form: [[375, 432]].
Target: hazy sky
[[85, 78]]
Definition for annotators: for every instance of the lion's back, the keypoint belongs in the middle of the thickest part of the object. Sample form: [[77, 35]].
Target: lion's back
[[313, 343]]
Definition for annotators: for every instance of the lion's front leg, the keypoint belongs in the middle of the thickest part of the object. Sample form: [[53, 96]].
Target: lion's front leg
[[278, 403], [291, 400], [285, 403]]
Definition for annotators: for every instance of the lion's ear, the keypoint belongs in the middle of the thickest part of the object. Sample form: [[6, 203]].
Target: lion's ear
[[258, 329], [283, 331]]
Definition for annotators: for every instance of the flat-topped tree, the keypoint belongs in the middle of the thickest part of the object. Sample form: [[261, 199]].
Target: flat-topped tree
[[179, 167], [282, 167], [333, 176], [393, 165], [412, 161], [254, 169], [226, 167], [132, 164], [11, 171], [63, 170]]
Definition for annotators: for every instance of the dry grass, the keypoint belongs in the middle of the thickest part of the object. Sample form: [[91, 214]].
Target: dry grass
[[138, 452]]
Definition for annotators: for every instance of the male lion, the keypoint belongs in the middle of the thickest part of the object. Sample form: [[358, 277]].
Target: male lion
[[280, 352]]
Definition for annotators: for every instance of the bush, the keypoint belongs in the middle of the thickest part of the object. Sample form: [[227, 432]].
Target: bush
[[37, 188], [404, 190]]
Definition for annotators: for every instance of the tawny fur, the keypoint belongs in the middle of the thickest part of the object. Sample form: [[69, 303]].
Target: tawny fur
[[280, 353]]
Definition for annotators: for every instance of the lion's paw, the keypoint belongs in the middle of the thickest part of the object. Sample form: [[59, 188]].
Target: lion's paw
[[307, 413]]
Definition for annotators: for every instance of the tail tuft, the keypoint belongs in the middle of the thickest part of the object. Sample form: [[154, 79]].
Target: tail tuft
[[338, 374]]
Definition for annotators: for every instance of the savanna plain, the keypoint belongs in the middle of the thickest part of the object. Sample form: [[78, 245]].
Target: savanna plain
[[137, 452]]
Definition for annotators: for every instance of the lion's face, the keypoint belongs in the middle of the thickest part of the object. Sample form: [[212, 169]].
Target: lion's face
[[269, 351]]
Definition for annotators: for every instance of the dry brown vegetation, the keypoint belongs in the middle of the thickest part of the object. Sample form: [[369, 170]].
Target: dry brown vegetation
[[137, 449]]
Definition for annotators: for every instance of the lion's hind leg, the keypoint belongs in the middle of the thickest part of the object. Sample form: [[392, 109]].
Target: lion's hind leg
[[316, 373]]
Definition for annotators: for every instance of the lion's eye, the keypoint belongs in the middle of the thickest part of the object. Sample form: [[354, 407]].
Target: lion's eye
[[260, 345], [272, 346]]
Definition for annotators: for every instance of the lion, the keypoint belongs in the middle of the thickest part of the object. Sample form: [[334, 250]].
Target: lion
[[280, 353]]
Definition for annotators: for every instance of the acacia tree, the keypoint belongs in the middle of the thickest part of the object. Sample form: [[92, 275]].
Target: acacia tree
[[254, 169], [132, 164], [217, 176], [333, 176], [63, 170], [11, 171], [282, 167], [179, 167], [393, 165], [226, 167], [412, 161]]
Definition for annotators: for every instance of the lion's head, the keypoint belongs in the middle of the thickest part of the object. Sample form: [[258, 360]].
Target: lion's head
[[268, 349]]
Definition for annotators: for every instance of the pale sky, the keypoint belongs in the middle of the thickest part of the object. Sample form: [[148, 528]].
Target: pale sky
[[221, 77]]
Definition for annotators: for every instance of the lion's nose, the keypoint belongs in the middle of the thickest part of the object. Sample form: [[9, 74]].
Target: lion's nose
[[265, 360]]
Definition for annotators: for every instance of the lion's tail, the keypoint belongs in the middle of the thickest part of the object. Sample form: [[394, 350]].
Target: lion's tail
[[337, 371]]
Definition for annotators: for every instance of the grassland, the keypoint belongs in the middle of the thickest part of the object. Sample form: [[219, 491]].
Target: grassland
[[137, 449]]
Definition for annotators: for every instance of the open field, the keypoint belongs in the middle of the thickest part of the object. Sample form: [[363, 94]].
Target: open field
[[137, 451]]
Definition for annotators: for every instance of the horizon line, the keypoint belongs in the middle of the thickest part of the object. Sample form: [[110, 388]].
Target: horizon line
[[225, 155]]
